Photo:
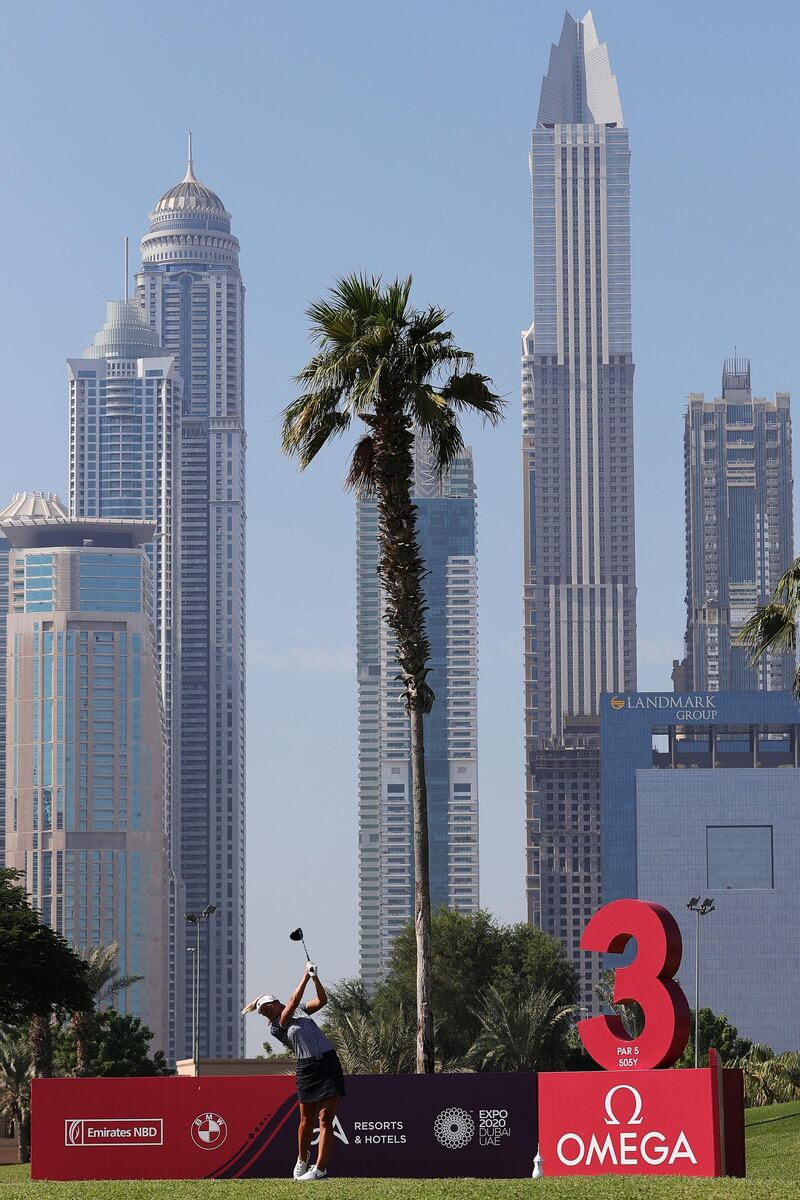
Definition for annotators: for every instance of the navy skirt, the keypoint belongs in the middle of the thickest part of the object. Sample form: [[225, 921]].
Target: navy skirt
[[319, 1078]]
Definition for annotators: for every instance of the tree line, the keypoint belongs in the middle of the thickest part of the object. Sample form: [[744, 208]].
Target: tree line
[[52, 1015]]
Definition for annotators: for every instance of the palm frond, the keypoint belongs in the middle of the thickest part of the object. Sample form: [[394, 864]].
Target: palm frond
[[770, 626], [787, 589], [309, 423], [517, 1034], [361, 475], [470, 391]]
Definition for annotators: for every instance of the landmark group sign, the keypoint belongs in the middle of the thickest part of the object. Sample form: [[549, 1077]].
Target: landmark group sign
[[690, 707], [632, 1117]]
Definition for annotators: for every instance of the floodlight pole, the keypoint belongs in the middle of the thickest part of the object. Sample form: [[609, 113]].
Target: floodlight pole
[[197, 919], [191, 950], [699, 910]]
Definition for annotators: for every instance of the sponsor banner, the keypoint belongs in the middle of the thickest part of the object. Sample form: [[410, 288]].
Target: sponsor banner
[[413, 1126], [631, 1123]]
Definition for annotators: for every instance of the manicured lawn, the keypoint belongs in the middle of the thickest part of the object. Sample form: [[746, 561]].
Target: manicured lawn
[[773, 1143], [773, 1173]]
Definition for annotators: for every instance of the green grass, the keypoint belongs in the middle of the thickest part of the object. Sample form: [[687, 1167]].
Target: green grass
[[773, 1173], [773, 1142]]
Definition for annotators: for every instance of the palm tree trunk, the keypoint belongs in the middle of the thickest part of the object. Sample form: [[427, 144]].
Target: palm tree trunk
[[81, 1029], [422, 896], [401, 570], [41, 1043], [23, 1126]]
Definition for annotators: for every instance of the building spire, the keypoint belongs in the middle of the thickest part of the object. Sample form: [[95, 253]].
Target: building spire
[[125, 288], [190, 160], [579, 87]]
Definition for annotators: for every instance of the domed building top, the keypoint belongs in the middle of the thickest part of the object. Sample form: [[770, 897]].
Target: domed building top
[[34, 506], [190, 195], [125, 334]]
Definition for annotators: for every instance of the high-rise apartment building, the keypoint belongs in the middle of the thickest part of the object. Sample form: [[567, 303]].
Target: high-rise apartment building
[[190, 290], [85, 736], [577, 403], [739, 531], [4, 550], [125, 438], [446, 530]]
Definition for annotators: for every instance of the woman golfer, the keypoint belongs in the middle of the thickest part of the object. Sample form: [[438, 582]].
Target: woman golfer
[[320, 1083]]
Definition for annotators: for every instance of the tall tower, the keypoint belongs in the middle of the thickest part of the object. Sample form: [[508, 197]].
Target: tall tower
[[84, 796], [446, 530], [125, 437], [190, 289], [4, 549], [739, 530], [577, 405]]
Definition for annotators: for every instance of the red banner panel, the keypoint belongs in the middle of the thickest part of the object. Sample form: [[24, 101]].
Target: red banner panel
[[634, 1123], [413, 1126]]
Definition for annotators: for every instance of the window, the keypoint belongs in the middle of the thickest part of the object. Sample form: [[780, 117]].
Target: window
[[739, 856]]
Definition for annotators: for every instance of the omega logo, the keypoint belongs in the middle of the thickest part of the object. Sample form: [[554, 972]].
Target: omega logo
[[637, 1103], [624, 1149]]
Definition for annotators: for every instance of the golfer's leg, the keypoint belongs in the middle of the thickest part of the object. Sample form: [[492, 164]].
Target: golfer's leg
[[327, 1111], [308, 1119]]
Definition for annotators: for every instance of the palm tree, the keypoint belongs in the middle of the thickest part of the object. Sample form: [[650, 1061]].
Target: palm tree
[[630, 1013], [104, 982], [16, 1068], [373, 1045], [768, 1078], [518, 1034], [399, 371], [773, 626]]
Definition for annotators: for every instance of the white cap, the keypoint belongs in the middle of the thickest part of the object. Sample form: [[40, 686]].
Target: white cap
[[257, 1004]]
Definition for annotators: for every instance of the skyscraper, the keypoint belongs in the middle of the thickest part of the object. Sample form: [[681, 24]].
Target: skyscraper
[[190, 289], [739, 530], [446, 530], [125, 438], [577, 405], [85, 735], [4, 549]]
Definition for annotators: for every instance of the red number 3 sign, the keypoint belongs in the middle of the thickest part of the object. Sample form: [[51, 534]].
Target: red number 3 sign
[[647, 981]]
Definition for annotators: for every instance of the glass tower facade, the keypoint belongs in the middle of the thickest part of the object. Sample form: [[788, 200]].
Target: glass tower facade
[[190, 290], [85, 736], [125, 434], [446, 530], [577, 408], [739, 530]]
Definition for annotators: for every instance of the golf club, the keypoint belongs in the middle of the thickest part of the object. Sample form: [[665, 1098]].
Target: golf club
[[297, 936]]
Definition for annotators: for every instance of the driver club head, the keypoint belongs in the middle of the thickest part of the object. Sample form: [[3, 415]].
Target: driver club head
[[297, 936]]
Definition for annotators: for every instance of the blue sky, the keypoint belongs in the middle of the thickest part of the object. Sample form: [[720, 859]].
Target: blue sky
[[390, 138]]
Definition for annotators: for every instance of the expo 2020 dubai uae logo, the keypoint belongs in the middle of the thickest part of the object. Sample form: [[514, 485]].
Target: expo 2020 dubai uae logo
[[454, 1128]]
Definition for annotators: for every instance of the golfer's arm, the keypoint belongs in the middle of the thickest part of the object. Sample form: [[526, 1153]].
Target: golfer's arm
[[294, 1000], [322, 997]]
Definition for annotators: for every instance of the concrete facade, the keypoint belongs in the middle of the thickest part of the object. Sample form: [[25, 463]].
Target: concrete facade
[[700, 795], [750, 966]]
